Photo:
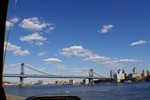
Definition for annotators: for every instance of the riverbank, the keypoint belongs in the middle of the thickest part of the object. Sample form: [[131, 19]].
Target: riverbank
[[12, 97]]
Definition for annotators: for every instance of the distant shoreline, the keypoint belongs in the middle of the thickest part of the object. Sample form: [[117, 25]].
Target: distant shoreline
[[12, 97]]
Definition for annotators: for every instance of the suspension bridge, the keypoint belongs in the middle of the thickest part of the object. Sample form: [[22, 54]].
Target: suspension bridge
[[91, 75]]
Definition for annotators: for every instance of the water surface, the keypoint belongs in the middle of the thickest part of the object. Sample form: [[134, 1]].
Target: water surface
[[125, 91]]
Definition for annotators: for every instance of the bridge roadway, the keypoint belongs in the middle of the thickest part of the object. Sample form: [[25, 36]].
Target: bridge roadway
[[53, 76]]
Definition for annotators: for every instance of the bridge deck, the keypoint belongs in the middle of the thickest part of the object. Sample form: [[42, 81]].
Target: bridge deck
[[52, 76]]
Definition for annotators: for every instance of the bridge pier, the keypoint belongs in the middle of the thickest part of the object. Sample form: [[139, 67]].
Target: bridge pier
[[91, 81], [22, 82], [22, 76]]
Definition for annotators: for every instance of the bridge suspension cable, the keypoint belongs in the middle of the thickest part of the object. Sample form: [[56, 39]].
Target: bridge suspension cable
[[82, 72], [12, 66], [98, 74], [33, 68]]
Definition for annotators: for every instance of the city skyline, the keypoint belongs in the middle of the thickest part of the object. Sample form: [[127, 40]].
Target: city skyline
[[115, 77], [69, 37]]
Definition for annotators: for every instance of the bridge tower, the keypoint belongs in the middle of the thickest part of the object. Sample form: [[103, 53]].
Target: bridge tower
[[91, 82], [22, 75]]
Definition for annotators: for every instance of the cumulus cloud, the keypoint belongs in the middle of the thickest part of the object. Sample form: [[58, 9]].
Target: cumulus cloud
[[88, 55], [41, 53], [34, 24], [79, 51], [31, 37], [16, 49], [52, 60], [106, 28], [21, 52], [12, 21], [11, 47], [140, 42], [75, 51]]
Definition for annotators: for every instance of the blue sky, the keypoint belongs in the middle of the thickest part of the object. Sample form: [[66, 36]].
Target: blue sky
[[71, 36]]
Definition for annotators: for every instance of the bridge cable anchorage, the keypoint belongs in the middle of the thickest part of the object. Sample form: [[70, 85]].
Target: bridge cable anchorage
[[12, 66], [33, 68], [98, 74]]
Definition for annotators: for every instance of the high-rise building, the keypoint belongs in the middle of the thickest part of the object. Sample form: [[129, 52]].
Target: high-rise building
[[146, 73], [121, 76], [119, 71], [112, 74], [143, 73], [135, 73], [85, 81], [135, 70]]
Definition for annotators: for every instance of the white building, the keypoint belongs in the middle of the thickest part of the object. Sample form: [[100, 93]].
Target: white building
[[121, 76]]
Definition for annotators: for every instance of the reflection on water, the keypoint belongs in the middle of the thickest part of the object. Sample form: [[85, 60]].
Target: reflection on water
[[127, 91]]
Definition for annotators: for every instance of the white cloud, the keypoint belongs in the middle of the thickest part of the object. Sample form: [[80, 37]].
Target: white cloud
[[14, 65], [39, 43], [87, 55], [41, 53], [62, 67], [140, 42], [49, 29], [75, 51], [97, 58], [12, 21], [112, 63], [79, 51], [119, 62], [35, 25], [52, 60], [11, 47], [15, 19], [106, 28], [31, 37], [20, 52], [8, 24], [129, 60], [16, 49]]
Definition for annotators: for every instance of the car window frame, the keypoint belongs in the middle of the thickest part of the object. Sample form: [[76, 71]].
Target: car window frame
[[3, 17]]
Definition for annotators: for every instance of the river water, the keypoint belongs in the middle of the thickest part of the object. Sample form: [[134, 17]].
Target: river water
[[125, 91]]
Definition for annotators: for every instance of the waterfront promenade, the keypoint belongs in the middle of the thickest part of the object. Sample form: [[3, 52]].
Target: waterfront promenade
[[12, 97]]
